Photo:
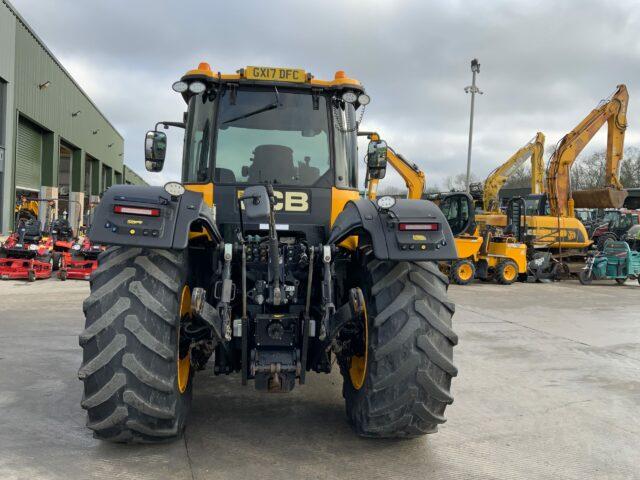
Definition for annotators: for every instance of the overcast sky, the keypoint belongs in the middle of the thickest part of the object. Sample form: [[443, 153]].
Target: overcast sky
[[545, 64]]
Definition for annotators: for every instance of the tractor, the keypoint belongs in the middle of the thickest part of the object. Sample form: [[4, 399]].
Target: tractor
[[266, 263], [613, 226]]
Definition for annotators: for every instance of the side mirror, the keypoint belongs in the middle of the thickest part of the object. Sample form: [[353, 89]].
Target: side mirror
[[257, 205], [377, 159], [155, 149]]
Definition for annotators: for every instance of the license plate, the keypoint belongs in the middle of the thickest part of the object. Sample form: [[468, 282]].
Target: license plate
[[274, 74]]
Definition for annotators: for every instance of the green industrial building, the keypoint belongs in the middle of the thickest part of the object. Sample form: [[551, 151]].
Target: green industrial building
[[54, 142]]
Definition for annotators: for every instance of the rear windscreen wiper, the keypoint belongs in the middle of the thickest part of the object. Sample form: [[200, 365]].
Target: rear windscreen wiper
[[272, 106]]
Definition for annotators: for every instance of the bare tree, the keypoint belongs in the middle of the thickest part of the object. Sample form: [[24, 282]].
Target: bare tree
[[589, 173], [521, 178], [457, 183], [393, 190], [630, 168]]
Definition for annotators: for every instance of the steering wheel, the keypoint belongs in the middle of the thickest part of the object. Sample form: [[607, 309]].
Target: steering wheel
[[24, 214]]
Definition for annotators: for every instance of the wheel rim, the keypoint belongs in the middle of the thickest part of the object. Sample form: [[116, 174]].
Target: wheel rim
[[465, 271], [358, 365], [184, 363], [509, 272]]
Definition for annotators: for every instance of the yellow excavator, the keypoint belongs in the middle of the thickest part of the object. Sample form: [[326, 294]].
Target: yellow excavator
[[534, 150], [493, 253], [562, 200], [550, 221]]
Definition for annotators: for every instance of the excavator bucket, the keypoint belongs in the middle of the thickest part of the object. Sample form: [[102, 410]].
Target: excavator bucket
[[599, 198]]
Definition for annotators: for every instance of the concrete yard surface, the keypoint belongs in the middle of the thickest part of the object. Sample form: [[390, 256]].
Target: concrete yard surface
[[549, 388]]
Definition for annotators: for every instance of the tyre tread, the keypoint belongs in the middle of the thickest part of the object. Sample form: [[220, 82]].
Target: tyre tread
[[410, 352]]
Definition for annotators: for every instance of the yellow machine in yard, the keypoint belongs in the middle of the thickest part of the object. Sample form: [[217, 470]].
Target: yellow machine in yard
[[490, 256], [550, 218], [533, 150], [486, 256], [266, 263]]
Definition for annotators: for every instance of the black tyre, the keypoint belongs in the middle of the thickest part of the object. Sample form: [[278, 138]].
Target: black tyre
[[409, 362], [137, 380], [463, 272], [621, 281], [506, 272], [585, 277]]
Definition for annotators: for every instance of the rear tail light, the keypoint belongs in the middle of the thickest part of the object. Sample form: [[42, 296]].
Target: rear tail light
[[148, 212], [411, 227]]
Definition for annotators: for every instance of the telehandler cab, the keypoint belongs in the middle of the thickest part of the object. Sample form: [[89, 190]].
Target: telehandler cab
[[266, 262]]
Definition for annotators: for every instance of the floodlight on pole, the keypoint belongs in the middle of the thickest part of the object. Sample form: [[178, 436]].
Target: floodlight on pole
[[472, 89]]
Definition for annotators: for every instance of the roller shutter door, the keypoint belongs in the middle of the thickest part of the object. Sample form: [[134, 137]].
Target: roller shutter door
[[28, 156]]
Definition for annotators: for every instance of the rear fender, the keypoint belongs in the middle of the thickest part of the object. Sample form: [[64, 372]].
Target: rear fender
[[363, 218], [178, 216]]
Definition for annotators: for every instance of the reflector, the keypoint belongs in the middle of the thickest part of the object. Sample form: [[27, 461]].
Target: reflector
[[432, 227], [149, 212]]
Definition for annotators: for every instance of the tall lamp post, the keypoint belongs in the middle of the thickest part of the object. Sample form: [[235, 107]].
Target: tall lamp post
[[475, 69]]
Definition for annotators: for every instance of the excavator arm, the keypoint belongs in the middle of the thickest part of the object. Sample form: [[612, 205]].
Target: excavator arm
[[562, 200], [533, 150], [413, 177]]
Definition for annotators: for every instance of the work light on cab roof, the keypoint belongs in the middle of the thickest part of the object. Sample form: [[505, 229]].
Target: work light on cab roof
[[197, 81]]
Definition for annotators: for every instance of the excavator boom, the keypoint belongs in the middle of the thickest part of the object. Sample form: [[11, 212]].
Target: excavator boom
[[413, 177], [533, 150], [562, 200]]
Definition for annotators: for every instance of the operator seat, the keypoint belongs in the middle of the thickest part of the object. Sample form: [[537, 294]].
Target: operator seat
[[272, 162], [307, 174], [62, 229], [32, 232]]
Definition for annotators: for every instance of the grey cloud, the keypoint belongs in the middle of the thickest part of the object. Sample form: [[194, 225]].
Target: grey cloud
[[545, 64]]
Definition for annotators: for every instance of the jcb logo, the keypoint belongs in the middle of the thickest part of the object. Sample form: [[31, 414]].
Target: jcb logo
[[288, 201]]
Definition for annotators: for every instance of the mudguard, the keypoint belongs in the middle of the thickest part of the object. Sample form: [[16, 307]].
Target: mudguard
[[383, 228], [169, 229]]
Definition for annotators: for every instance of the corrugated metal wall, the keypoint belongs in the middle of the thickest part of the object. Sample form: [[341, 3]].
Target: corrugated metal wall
[[52, 107], [28, 156]]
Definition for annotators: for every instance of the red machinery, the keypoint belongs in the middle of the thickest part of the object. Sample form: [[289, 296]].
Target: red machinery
[[80, 261], [26, 254], [63, 240]]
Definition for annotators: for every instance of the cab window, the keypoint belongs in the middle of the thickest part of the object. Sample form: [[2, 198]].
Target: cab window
[[271, 136], [198, 139], [346, 145]]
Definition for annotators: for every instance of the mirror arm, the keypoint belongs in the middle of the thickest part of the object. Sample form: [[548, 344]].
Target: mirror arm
[[171, 124], [370, 135]]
